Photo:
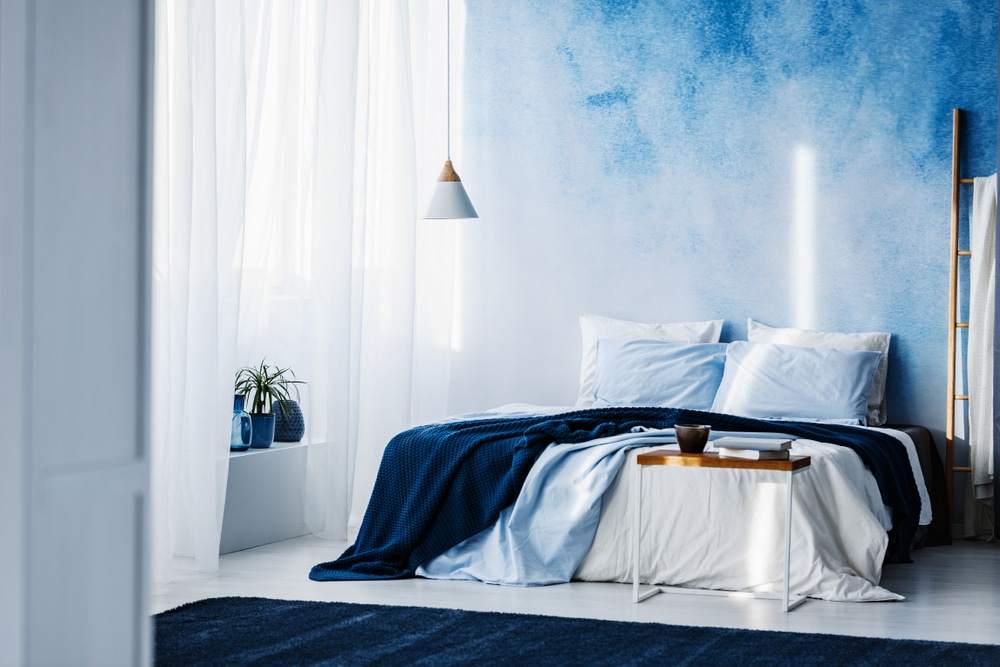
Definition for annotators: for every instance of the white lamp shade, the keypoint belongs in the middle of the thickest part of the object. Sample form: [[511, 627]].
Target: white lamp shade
[[450, 202]]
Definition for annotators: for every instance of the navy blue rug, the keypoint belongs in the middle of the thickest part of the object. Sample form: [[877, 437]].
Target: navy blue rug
[[259, 631]]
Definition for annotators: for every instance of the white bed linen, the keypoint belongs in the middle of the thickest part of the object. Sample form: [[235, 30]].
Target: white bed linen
[[722, 529]]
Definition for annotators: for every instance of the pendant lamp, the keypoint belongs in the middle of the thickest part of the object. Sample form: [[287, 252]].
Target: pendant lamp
[[449, 202]]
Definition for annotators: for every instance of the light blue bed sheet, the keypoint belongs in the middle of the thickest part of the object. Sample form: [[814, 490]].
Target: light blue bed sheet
[[544, 535]]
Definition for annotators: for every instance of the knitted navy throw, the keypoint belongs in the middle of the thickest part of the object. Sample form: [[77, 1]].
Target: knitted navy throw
[[440, 484]]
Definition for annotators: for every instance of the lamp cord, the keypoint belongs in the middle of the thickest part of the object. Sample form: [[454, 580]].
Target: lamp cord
[[448, 82]]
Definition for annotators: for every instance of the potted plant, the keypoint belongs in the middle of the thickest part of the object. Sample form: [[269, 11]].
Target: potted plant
[[264, 387]]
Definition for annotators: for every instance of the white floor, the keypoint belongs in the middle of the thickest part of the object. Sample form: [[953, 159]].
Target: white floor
[[952, 594]]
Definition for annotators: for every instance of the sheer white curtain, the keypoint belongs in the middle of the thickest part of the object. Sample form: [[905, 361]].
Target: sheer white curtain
[[288, 139], [199, 199]]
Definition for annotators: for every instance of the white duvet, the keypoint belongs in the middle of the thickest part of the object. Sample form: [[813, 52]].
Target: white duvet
[[703, 528]]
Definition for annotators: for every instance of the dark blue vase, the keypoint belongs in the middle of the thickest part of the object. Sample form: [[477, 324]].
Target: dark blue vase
[[241, 435], [289, 424], [263, 431]]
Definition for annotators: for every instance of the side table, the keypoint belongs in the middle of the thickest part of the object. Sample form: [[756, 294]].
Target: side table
[[792, 465]]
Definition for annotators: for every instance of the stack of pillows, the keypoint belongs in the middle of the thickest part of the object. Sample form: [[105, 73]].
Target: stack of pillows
[[777, 373]]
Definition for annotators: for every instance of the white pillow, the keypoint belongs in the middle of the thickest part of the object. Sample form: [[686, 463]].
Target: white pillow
[[656, 373], [594, 327], [874, 341], [769, 381]]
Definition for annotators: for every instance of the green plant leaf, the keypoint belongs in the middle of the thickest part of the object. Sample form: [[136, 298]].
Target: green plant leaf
[[264, 385]]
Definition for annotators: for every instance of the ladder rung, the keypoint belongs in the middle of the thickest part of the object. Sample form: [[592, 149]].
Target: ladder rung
[[961, 325], [961, 397], [962, 469], [965, 253]]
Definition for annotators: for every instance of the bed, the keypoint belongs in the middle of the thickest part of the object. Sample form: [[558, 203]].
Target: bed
[[528, 495]]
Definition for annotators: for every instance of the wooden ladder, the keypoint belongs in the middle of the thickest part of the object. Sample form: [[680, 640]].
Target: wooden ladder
[[954, 325]]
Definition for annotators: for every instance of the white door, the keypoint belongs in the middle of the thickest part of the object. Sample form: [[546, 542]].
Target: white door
[[74, 317]]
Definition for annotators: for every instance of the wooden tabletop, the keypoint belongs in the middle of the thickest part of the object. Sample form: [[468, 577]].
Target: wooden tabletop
[[664, 457]]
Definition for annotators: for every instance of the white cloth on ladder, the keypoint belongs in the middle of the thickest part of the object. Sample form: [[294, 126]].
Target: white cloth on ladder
[[982, 282]]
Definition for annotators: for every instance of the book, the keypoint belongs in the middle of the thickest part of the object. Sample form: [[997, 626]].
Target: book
[[760, 444], [754, 454]]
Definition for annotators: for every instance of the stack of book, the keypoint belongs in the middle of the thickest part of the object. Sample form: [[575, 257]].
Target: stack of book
[[759, 449]]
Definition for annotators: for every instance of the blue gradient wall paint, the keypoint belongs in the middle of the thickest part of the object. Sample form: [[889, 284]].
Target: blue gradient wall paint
[[663, 161]]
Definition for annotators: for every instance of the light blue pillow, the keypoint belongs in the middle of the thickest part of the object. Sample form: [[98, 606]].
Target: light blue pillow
[[767, 380], [653, 373]]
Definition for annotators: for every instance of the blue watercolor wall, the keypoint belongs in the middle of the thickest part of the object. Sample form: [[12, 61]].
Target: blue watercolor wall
[[665, 161]]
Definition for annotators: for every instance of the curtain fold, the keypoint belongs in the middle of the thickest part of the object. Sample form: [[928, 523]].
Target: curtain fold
[[287, 142], [198, 202], [982, 285]]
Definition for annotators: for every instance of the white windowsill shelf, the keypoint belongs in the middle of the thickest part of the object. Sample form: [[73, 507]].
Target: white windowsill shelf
[[275, 447], [265, 496]]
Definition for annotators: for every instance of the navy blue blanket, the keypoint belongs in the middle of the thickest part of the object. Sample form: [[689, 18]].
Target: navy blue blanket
[[440, 484]]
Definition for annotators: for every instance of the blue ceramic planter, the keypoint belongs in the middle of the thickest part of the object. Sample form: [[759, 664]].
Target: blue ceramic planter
[[263, 431], [289, 424]]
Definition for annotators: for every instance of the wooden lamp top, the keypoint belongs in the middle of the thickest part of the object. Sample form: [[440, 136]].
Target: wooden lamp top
[[448, 174]]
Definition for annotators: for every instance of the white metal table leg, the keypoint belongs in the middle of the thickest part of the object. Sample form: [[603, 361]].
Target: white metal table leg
[[637, 542], [636, 526], [788, 541], [787, 603]]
